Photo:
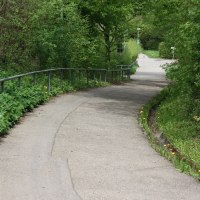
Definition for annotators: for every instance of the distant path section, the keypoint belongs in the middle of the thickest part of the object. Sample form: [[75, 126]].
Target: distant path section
[[89, 146]]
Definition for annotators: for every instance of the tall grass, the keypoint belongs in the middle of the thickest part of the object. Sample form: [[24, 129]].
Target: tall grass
[[151, 53]]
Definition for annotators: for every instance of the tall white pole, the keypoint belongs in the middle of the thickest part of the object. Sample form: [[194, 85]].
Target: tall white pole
[[173, 52]]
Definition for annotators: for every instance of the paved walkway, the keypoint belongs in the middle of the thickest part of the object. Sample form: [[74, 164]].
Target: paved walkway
[[89, 146]]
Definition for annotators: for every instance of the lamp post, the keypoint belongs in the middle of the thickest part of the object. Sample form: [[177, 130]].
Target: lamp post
[[173, 49], [138, 35]]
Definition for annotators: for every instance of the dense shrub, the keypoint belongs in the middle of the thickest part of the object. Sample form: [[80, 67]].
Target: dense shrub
[[15, 102], [164, 50]]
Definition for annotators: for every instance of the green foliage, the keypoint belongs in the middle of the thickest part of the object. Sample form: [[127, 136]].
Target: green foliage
[[14, 32], [179, 113], [16, 101], [180, 130], [129, 55], [152, 53], [178, 118], [150, 37], [108, 20], [179, 23], [134, 67], [131, 51], [165, 50], [60, 36], [43, 33], [59, 33], [13, 106]]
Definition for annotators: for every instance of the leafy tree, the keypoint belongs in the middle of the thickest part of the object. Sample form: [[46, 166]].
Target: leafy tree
[[45, 34], [14, 29], [60, 37], [108, 19]]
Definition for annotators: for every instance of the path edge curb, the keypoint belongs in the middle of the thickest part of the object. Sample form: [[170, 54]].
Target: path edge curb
[[160, 142]]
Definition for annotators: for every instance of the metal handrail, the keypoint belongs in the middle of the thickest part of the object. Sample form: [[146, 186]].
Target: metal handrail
[[48, 71]]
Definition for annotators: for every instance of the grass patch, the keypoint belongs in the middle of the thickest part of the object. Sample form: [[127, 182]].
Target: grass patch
[[151, 53], [180, 127], [182, 133]]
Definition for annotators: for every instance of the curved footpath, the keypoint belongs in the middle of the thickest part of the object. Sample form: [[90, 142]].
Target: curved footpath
[[89, 146]]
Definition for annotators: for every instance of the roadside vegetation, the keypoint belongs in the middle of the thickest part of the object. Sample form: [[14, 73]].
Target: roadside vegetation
[[178, 116], [170, 136], [151, 53], [178, 111], [15, 102]]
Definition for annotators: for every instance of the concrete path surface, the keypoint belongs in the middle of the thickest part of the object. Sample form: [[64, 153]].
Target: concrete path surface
[[89, 146]]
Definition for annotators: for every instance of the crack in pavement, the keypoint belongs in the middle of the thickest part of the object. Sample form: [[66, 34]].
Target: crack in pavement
[[59, 127]]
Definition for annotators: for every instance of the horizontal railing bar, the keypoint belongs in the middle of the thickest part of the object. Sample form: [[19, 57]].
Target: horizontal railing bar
[[46, 71], [118, 70], [109, 74], [123, 65], [58, 69]]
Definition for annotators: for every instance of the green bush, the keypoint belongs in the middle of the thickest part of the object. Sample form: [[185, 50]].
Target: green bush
[[12, 107], [15, 102], [149, 41], [134, 67], [129, 55], [164, 50]]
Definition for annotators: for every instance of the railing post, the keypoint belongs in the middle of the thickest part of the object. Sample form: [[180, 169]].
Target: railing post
[[100, 76], [49, 82], [94, 75], [61, 78], [69, 72], [72, 76], [106, 76], [129, 74], [112, 76], [87, 77], [2, 86], [79, 75], [118, 79]]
